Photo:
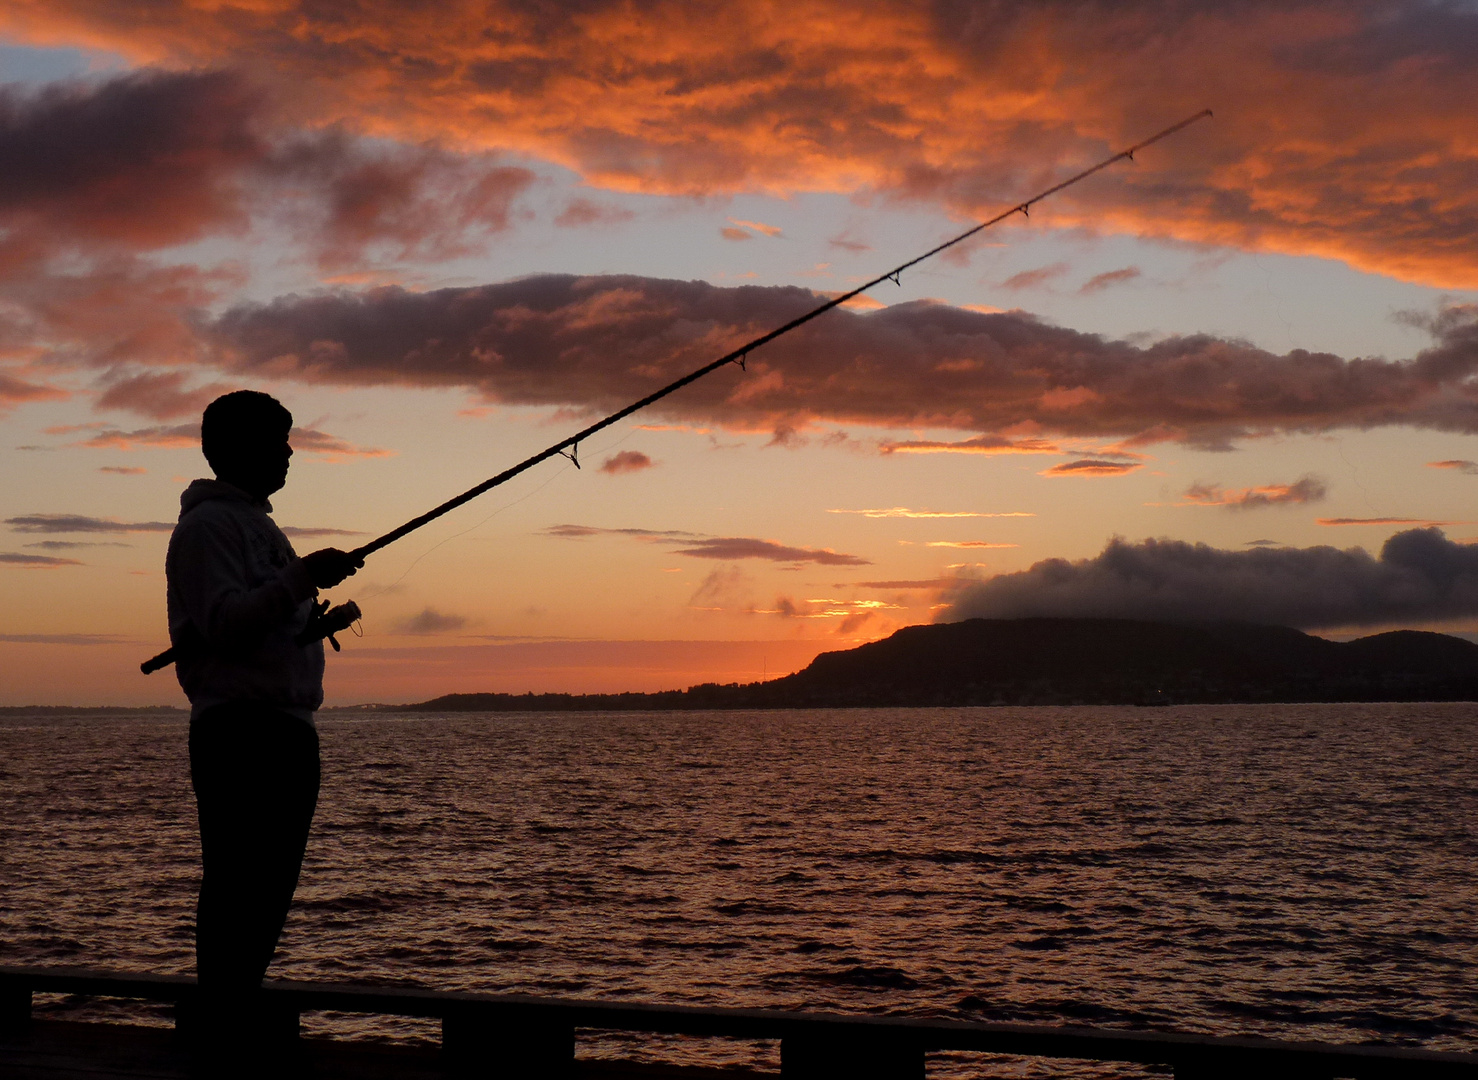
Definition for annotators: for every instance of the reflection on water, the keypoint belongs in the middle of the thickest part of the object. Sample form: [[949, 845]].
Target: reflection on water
[[1297, 871]]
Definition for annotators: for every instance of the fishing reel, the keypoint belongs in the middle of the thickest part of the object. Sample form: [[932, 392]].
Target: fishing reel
[[327, 621], [324, 622]]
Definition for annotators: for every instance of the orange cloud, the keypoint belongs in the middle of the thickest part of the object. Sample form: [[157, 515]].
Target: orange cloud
[[1344, 127], [1091, 467], [981, 444], [759, 227], [1470, 467], [731, 548], [903, 586], [967, 544], [331, 447], [174, 437], [905, 512]]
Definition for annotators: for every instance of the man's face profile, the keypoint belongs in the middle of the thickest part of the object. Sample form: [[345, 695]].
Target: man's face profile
[[245, 438], [257, 464]]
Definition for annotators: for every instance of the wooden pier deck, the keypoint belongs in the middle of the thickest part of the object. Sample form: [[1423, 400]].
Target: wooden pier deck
[[516, 1036]]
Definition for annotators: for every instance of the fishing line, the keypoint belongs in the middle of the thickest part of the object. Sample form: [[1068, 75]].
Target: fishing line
[[532, 492]]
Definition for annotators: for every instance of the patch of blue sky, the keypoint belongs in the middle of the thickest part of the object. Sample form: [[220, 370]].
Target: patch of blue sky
[[30, 65]]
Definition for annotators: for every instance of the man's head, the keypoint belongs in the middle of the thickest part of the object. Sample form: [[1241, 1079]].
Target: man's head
[[244, 437]]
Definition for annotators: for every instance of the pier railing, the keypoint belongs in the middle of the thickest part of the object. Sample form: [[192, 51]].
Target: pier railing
[[515, 1034]]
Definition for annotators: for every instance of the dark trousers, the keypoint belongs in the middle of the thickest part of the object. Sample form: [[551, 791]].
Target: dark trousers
[[255, 773]]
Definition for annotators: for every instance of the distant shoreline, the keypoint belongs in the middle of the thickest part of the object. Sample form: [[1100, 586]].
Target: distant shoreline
[[1026, 662]]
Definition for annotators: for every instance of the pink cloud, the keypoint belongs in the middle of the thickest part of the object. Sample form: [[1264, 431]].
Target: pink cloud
[[627, 461], [160, 395], [581, 212], [1035, 279], [1307, 490], [1100, 282], [15, 391]]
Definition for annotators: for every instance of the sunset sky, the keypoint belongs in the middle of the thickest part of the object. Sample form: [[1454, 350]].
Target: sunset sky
[[446, 235]]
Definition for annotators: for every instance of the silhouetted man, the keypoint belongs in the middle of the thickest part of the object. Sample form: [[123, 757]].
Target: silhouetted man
[[238, 598]]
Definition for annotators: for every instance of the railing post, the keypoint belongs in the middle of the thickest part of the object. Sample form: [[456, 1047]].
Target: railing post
[[808, 1057], [15, 1006], [515, 1043]]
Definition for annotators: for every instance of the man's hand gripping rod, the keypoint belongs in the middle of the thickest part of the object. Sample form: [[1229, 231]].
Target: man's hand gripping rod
[[572, 443]]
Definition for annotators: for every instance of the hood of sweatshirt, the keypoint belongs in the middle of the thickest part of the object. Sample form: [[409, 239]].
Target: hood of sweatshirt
[[201, 491]]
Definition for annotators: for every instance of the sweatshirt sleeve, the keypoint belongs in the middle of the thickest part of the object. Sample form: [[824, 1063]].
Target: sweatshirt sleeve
[[207, 569]]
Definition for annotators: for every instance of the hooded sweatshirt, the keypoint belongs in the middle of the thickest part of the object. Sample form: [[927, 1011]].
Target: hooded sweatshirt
[[238, 595]]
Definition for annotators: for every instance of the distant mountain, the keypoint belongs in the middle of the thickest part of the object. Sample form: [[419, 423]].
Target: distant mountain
[[1119, 661], [1071, 662]]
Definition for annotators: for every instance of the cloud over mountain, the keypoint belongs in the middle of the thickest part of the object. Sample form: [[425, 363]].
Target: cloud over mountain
[[1419, 576]]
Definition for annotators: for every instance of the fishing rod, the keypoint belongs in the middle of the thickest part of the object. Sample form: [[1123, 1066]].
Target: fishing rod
[[332, 621]]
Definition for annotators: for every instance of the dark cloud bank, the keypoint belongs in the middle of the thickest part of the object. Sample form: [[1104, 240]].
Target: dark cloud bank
[[1420, 576], [599, 342]]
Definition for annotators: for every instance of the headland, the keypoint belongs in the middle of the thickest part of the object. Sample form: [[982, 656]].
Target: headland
[[1067, 662]]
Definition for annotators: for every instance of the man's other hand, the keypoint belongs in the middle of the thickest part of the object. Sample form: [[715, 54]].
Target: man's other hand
[[328, 567]]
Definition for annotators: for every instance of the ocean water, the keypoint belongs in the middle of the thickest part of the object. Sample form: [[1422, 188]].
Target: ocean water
[[1302, 871]]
